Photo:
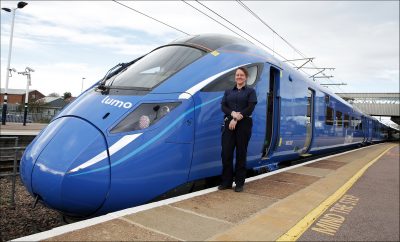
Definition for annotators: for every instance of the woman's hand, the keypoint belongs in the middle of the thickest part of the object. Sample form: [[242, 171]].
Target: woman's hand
[[232, 124], [237, 115]]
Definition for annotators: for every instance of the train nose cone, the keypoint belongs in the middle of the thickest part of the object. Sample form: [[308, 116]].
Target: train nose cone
[[75, 193]]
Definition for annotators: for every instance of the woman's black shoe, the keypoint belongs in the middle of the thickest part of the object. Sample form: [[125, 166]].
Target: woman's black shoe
[[224, 187], [239, 189]]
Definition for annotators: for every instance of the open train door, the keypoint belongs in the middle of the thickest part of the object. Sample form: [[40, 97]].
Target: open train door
[[273, 113]]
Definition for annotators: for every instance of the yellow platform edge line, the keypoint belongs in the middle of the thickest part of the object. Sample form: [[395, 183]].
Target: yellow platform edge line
[[296, 231]]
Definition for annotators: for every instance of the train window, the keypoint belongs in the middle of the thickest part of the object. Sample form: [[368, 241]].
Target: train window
[[309, 105], [352, 123], [329, 116], [346, 120], [144, 116], [228, 81], [154, 68], [361, 125], [339, 121]]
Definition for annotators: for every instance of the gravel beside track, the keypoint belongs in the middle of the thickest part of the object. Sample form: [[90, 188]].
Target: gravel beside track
[[22, 220]]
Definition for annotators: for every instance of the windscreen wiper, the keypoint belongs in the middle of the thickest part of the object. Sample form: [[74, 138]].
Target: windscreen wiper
[[102, 83], [122, 66]]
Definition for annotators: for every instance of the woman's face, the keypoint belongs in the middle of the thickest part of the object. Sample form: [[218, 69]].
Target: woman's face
[[240, 77]]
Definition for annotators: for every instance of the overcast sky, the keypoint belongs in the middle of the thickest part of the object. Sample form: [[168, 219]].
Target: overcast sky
[[64, 41]]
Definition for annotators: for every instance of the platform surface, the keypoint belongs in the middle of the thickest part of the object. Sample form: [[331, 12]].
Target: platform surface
[[17, 129], [284, 205], [369, 211]]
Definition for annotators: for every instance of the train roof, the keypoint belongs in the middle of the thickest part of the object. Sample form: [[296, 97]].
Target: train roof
[[209, 42]]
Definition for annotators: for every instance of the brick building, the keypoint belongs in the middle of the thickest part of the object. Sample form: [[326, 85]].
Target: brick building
[[16, 97]]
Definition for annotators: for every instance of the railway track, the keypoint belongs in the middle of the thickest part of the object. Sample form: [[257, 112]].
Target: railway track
[[12, 148], [7, 165], [8, 156]]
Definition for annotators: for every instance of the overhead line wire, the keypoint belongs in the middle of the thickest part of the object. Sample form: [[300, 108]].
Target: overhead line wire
[[252, 36], [241, 30], [275, 32], [159, 21], [150, 17], [216, 21], [247, 34], [262, 21]]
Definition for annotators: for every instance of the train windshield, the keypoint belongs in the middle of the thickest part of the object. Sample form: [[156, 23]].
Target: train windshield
[[154, 68]]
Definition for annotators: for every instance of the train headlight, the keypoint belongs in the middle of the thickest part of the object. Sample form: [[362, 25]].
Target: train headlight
[[144, 116]]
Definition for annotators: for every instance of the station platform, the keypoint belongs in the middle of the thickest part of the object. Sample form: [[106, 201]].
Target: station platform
[[348, 196], [18, 129]]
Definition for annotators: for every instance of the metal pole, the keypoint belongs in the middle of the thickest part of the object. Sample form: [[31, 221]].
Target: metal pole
[[28, 81], [14, 174], [4, 112], [83, 78]]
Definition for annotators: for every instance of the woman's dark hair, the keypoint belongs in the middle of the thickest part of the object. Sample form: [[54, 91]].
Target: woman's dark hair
[[246, 73]]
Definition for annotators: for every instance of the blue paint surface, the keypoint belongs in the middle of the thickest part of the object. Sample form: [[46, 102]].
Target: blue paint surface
[[183, 146]]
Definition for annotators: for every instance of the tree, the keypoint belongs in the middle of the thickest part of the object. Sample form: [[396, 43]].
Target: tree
[[53, 94], [67, 95]]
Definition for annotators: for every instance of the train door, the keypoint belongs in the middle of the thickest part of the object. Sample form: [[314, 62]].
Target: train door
[[364, 129], [369, 134], [309, 122], [273, 113]]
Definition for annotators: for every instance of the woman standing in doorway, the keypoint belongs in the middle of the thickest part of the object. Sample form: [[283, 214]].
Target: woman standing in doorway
[[238, 104]]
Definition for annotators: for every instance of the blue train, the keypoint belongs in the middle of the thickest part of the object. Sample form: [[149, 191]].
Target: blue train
[[154, 124]]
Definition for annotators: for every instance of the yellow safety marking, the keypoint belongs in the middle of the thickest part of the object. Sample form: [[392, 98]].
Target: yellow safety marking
[[280, 141], [215, 53], [281, 74], [331, 221], [296, 231]]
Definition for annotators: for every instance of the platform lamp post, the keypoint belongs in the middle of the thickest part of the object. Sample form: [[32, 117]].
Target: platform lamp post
[[83, 78], [27, 73], [4, 112]]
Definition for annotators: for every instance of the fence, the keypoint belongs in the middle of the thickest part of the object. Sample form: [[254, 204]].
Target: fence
[[18, 117], [10, 154]]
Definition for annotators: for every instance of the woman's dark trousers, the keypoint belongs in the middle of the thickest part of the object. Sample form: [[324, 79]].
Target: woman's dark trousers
[[239, 139]]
